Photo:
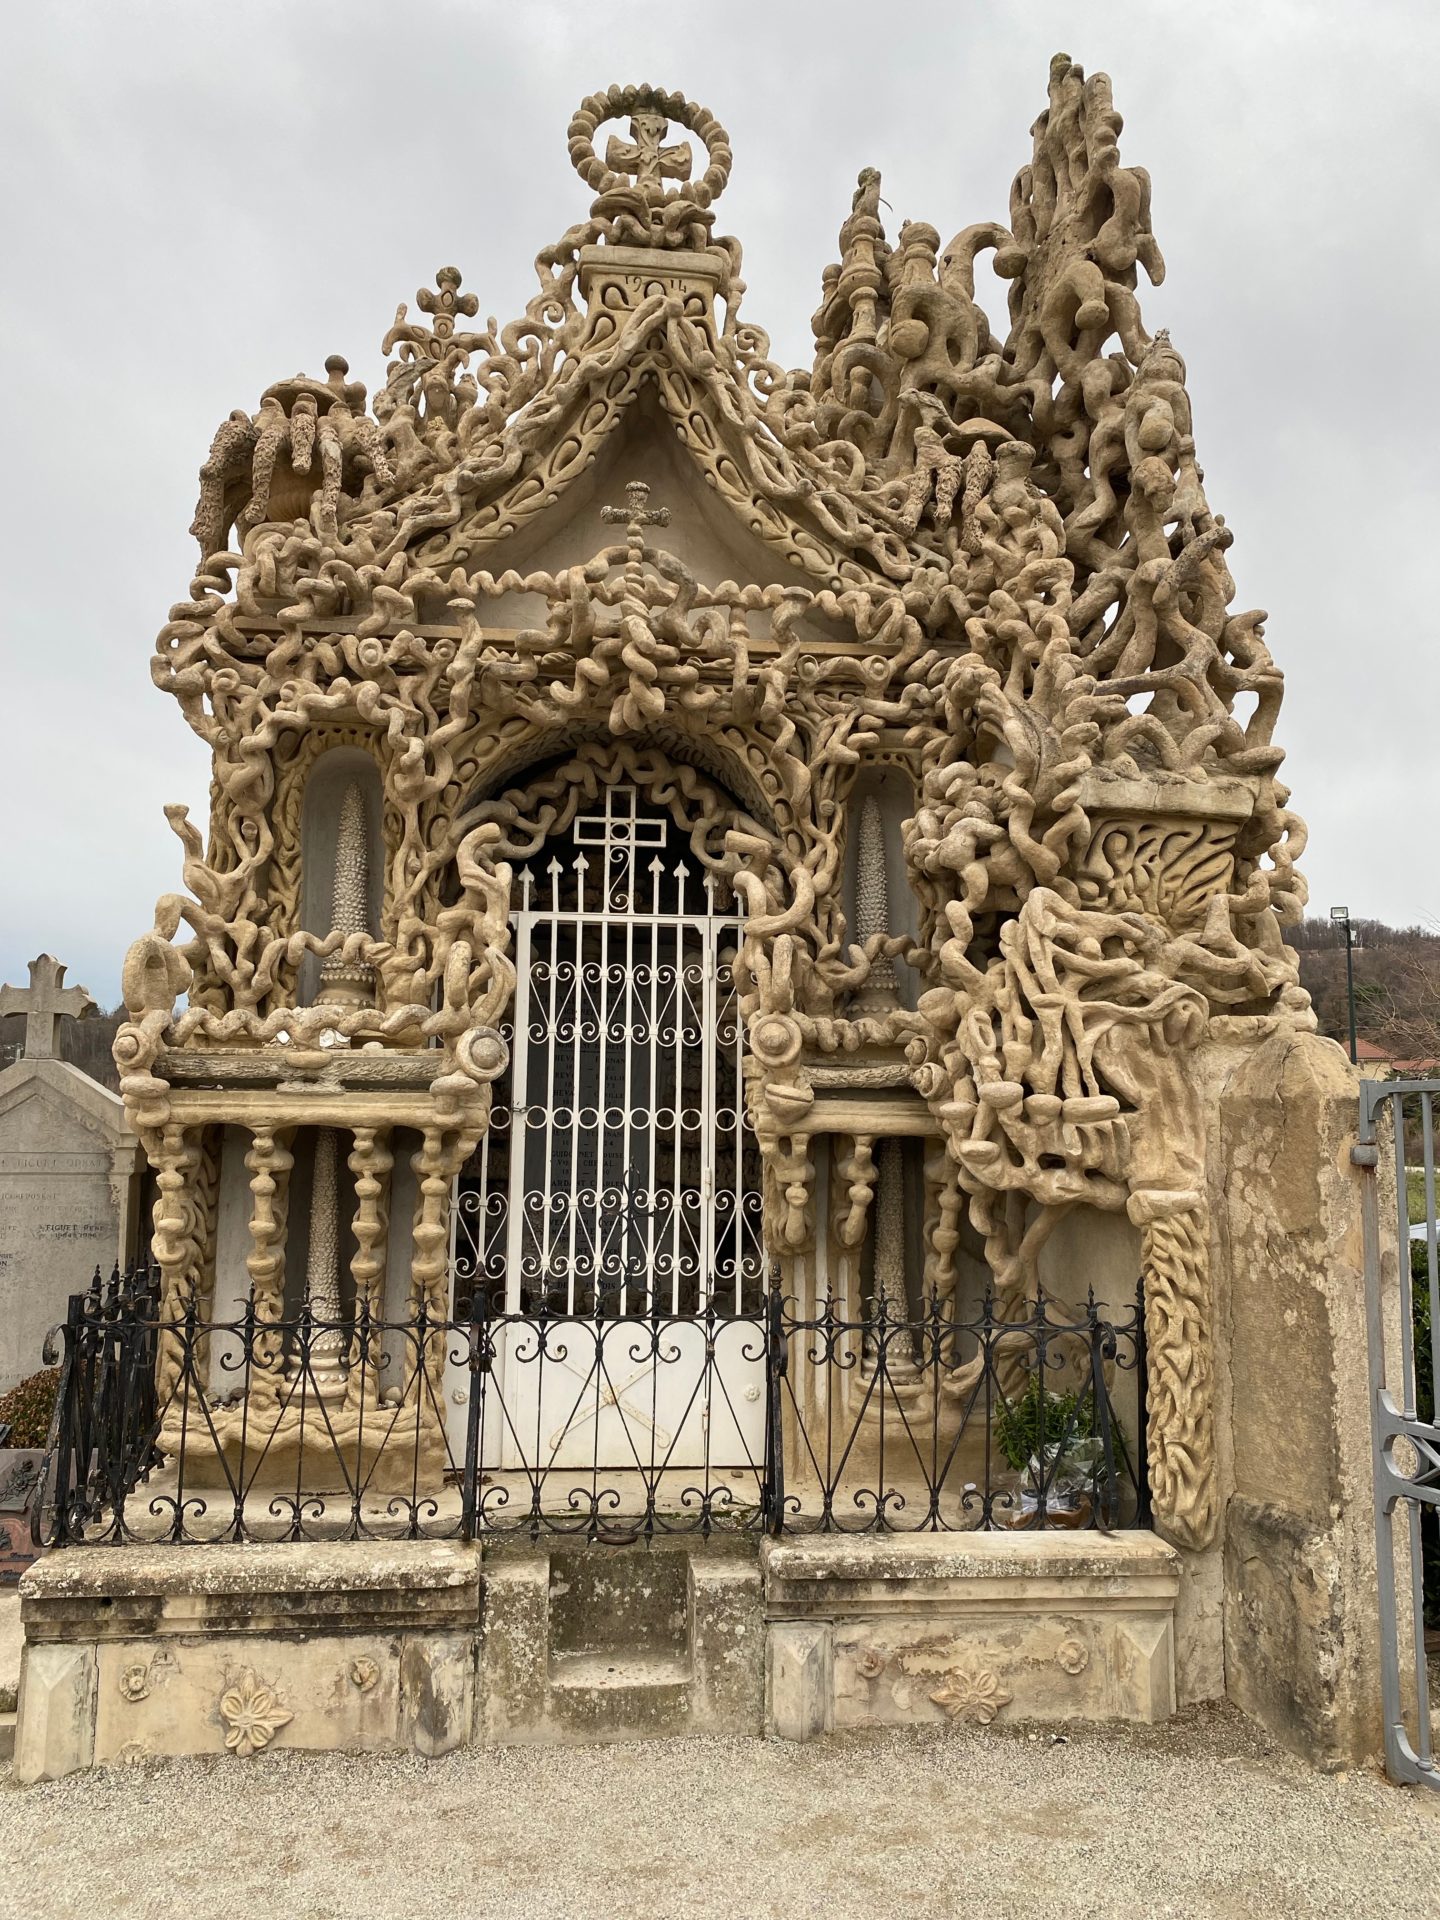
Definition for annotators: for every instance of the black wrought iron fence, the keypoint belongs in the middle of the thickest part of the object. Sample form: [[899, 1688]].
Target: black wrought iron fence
[[1027, 1417], [612, 1427]]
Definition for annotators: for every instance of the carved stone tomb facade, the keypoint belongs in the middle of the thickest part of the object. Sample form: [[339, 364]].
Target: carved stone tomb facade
[[896, 707]]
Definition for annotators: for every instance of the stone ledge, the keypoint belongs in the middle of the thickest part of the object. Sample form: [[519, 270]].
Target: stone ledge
[[1158, 795], [963, 1570], [349, 1645], [114, 1593]]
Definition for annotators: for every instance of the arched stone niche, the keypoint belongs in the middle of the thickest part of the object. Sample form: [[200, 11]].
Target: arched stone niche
[[333, 773], [1091, 1248], [532, 759], [894, 795]]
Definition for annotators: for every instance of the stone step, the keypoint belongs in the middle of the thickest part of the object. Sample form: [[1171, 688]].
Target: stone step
[[621, 1643], [630, 1601], [611, 1669], [615, 1696]]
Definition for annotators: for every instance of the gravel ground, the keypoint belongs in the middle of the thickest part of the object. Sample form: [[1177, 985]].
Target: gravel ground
[[1195, 1819]]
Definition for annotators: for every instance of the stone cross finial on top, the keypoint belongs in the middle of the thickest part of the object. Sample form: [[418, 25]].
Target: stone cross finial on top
[[44, 1003], [643, 155]]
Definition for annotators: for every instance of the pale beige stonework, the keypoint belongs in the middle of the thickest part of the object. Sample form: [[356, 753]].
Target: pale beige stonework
[[138, 1652], [917, 1630], [930, 650]]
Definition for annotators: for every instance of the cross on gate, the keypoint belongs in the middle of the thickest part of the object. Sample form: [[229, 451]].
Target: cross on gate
[[644, 157], [43, 1003]]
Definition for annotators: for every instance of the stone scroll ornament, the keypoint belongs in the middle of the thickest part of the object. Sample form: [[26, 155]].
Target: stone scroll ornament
[[982, 563]]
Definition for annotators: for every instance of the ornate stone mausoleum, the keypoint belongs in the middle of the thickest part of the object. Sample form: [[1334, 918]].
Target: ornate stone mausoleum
[[687, 829]]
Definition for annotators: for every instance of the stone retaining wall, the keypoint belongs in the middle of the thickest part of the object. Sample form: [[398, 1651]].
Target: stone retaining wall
[[136, 1652]]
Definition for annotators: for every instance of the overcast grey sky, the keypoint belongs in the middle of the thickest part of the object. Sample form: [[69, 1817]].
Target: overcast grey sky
[[204, 198]]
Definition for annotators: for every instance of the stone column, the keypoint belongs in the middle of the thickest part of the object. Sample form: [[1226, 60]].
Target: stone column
[[175, 1240], [269, 1162], [176, 1244], [944, 1204], [328, 1341], [852, 1191], [371, 1162], [436, 1163]]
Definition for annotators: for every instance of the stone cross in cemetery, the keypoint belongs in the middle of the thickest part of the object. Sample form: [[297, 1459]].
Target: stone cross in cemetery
[[69, 1172], [44, 1003]]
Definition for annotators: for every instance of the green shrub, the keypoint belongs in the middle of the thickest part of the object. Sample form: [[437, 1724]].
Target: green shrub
[[1039, 1419], [28, 1407]]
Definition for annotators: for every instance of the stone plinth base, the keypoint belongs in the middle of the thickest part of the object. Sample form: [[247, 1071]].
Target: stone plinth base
[[325, 1450], [921, 1629], [139, 1651]]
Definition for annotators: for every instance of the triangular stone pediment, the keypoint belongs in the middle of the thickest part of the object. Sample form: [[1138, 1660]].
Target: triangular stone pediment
[[668, 404], [703, 531], [37, 1096]]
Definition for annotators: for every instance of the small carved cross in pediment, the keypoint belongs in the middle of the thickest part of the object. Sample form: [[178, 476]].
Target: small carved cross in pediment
[[645, 157], [635, 514]]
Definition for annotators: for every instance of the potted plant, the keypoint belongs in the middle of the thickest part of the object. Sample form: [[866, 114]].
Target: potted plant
[[1049, 1439], [25, 1414]]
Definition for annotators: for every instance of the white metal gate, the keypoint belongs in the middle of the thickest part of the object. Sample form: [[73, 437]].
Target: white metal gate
[[1404, 1394], [619, 1182]]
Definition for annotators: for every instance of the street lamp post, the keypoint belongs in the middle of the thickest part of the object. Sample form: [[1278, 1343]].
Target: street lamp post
[[1340, 916]]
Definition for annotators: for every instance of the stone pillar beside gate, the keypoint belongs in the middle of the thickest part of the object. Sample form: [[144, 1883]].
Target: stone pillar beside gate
[[1292, 1584]]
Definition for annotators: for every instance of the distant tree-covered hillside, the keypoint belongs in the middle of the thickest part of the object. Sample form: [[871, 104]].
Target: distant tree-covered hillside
[[1397, 983]]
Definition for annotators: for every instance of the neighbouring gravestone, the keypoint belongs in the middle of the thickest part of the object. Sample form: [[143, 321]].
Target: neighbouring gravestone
[[69, 1173]]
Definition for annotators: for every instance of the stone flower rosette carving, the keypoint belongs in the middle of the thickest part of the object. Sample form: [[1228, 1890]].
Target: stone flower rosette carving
[[252, 1714], [134, 1682], [1072, 1656], [970, 1693]]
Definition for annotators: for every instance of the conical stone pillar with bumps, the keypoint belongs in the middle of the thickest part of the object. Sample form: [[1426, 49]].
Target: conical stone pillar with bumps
[[350, 982]]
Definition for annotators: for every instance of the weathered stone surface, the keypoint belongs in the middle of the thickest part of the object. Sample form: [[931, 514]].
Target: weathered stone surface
[[350, 1645], [437, 1692], [799, 1679], [1301, 1608], [338, 1691], [515, 1649], [69, 1167], [55, 1728], [911, 1630], [727, 1642]]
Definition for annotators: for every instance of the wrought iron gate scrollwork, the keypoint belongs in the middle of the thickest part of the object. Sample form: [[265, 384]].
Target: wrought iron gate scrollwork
[[622, 1179], [1404, 1395]]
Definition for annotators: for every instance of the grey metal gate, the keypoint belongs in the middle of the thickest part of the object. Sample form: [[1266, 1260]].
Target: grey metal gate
[[1399, 1116]]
